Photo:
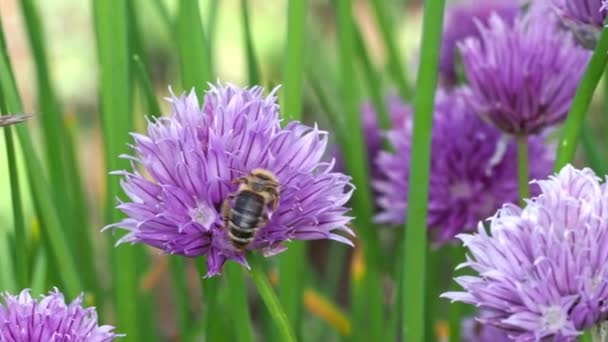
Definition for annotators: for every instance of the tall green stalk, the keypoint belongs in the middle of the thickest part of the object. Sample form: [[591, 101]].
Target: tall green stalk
[[51, 225], [395, 62], [270, 300], [61, 154], [21, 255], [192, 46], [368, 315], [117, 121], [253, 70], [292, 263], [523, 169], [584, 94], [414, 270]]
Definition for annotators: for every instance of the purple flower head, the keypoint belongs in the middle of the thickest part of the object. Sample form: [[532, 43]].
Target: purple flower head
[[398, 113], [50, 319], [584, 18], [523, 77], [462, 22], [192, 158], [472, 173], [542, 270]]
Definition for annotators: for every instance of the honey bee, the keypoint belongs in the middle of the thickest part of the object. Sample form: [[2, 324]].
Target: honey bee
[[257, 191]]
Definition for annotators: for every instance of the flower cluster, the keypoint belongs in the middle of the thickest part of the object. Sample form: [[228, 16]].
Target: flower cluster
[[190, 160], [463, 21], [523, 77], [22, 318], [542, 270], [472, 169]]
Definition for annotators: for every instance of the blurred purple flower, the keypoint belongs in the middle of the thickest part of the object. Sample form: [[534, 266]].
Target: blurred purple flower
[[586, 12], [542, 270], [192, 158], [585, 18], [523, 77], [473, 169], [23, 319], [463, 21]]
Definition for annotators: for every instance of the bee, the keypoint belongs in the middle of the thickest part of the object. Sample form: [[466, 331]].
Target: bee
[[257, 191]]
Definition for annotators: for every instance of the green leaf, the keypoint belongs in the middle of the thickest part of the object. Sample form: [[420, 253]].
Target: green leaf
[[117, 122], [39, 187], [396, 69], [414, 271], [193, 55], [368, 311]]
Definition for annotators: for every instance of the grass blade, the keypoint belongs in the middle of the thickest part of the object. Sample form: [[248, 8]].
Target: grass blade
[[237, 292], [416, 233], [146, 86], [396, 69], [584, 94], [193, 54], [116, 119], [294, 60], [61, 155], [252, 63], [270, 300], [368, 316], [292, 263], [40, 189], [21, 262]]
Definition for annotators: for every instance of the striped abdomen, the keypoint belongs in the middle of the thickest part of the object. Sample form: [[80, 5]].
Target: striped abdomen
[[245, 218]]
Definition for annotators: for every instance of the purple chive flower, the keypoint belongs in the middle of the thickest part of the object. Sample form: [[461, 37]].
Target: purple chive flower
[[473, 169], [462, 22], [585, 18], [190, 159], [24, 319], [523, 77], [398, 113], [542, 271]]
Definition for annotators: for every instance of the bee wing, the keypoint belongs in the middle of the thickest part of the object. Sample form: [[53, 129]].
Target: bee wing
[[7, 120]]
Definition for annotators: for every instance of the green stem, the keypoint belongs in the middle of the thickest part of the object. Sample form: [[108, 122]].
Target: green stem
[[294, 59], [238, 297], [523, 173], [584, 94], [270, 300], [180, 288], [395, 61], [414, 271], [192, 44], [368, 310], [21, 255], [213, 320], [252, 63]]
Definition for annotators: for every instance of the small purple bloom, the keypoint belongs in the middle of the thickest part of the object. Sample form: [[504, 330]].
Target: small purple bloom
[[523, 76], [473, 169], [585, 18], [462, 22], [190, 159], [50, 319], [542, 271], [586, 12], [398, 113]]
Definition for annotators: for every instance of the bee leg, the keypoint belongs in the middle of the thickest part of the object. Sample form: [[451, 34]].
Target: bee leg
[[226, 209]]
